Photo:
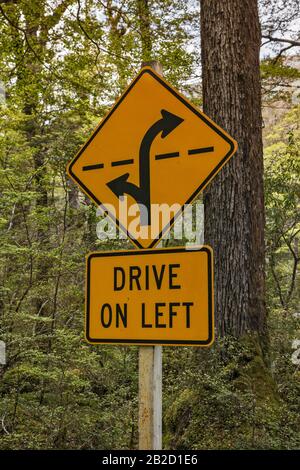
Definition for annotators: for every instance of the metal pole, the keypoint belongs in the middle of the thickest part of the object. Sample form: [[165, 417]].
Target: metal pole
[[150, 377]]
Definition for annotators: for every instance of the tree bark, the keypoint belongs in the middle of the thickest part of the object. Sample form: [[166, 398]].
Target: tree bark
[[144, 17], [234, 201]]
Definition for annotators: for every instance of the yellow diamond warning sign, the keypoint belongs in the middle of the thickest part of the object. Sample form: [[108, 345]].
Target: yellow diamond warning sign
[[163, 296], [152, 154]]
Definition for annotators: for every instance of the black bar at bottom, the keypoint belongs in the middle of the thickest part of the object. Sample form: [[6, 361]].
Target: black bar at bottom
[[135, 458]]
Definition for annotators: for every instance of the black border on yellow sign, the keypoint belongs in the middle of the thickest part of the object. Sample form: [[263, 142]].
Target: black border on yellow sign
[[218, 130], [206, 342]]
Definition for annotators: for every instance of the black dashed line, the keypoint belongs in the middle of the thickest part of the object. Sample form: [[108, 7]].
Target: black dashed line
[[200, 150], [166, 155], [122, 162], [93, 167]]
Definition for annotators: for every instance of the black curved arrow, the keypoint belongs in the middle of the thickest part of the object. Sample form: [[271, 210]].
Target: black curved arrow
[[141, 193]]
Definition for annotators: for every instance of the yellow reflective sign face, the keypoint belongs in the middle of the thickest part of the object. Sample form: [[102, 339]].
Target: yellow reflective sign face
[[154, 148], [163, 297]]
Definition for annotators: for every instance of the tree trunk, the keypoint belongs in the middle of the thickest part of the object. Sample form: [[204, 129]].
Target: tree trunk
[[144, 18], [234, 201]]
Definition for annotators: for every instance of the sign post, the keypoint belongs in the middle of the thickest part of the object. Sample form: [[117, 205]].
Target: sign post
[[149, 297], [150, 397], [150, 375], [154, 148]]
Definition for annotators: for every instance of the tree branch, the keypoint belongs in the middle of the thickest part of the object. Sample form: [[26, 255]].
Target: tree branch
[[270, 38], [88, 36], [281, 52], [58, 12], [277, 283], [3, 424], [31, 48]]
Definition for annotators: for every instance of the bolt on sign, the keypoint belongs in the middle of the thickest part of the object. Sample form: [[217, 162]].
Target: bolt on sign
[[152, 154], [164, 296]]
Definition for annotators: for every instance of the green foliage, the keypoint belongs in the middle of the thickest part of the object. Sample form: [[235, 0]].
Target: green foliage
[[227, 398], [63, 64], [277, 79], [272, 70], [282, 169]]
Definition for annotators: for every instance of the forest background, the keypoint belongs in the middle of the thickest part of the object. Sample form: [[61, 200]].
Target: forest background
[[63, 63]]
